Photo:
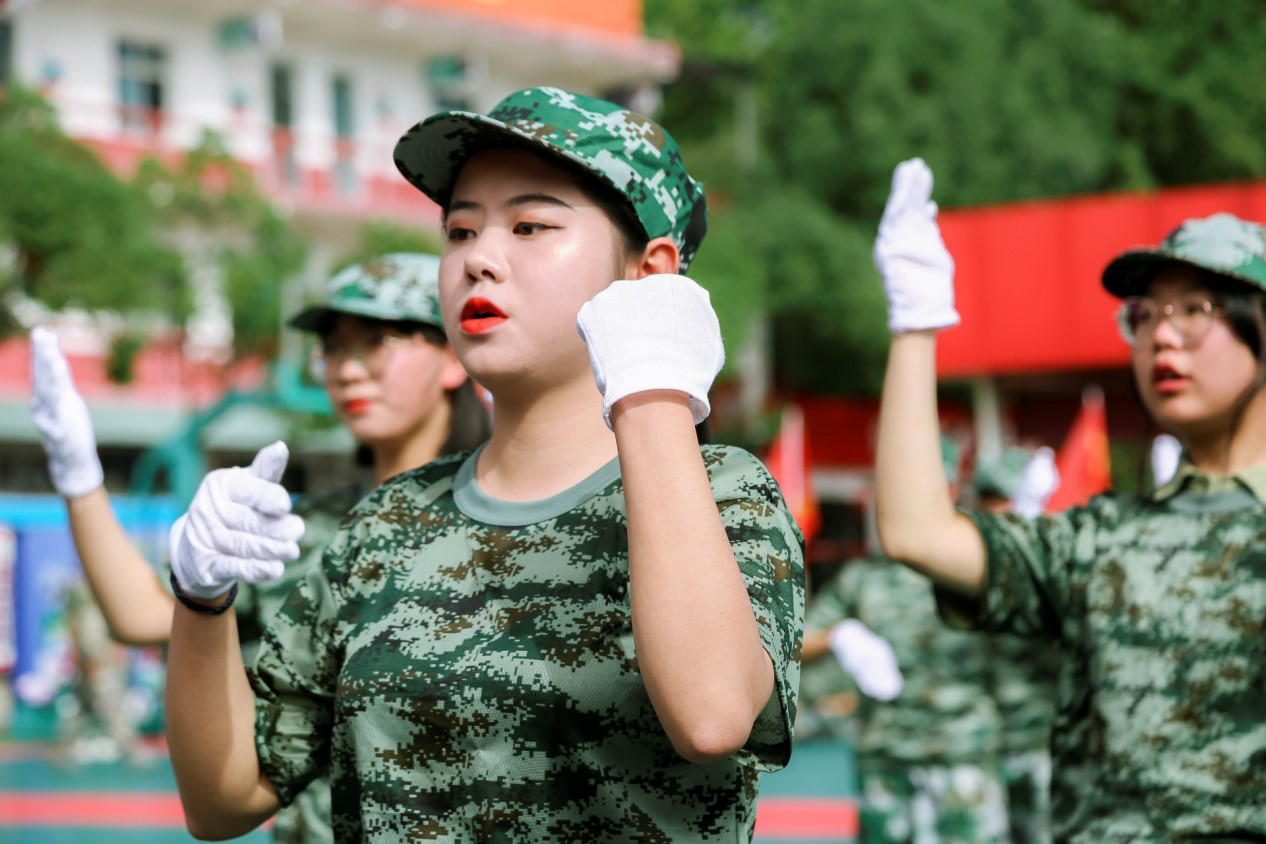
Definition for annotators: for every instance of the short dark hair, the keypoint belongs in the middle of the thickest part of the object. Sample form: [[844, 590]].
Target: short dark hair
[[1244, 307]]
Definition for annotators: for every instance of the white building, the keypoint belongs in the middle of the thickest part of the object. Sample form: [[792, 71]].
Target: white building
[[311, 95]]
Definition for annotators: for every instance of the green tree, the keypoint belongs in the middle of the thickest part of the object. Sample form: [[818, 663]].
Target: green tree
[[78, 236]]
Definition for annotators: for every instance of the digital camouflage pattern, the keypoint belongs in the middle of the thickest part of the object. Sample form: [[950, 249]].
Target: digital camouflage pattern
[[932, 804], [632, 153], [1159, 606], [473, 679], [945, 713], [1027, 779], [399, 286], [1222, 244], [307, 819], [1023, 678]]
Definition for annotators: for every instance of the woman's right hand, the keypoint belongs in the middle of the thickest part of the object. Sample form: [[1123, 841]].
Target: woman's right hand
[[916, 268], [61, 417], [238, 526]]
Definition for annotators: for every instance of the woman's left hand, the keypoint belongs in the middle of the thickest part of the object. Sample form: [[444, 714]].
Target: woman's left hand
[[653, 333]]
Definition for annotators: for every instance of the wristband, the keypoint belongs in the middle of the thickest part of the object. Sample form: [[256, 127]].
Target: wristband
[[203, 608]]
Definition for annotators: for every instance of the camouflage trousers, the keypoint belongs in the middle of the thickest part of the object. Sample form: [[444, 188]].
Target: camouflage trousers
[[307, 819], [1028, 780], [927, 804]]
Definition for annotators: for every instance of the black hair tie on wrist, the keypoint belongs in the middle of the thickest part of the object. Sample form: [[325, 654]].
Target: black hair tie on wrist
[[203, 608]]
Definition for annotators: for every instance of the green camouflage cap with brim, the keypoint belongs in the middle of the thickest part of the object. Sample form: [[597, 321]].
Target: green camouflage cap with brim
[[1222, 244], [401, 287], [1002, 474], [631, 153]]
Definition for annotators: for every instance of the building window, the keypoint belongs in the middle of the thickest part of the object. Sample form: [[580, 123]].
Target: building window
[[141, 71], [344, 130], [449, 79], [281, 93], [6, 49]]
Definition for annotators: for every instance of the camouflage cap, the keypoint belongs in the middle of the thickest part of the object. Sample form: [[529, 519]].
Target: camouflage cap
[[1002, 474], [1222, 244], [629, 152], [403, 286]]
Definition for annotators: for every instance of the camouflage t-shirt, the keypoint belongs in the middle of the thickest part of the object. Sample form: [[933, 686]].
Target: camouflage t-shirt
[[944, 714], [1159, 606], [1022, 680], [465, 667]]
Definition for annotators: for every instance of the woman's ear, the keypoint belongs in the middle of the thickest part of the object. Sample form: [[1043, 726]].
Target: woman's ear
[[452, 375], [660, 256]]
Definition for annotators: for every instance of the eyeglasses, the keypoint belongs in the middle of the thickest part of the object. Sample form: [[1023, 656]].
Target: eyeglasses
[[1191, 316], [372, 351]]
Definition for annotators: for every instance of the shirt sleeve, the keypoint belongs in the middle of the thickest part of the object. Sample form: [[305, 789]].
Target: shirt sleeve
[[294, 678], [1033, 568], [770, 553]]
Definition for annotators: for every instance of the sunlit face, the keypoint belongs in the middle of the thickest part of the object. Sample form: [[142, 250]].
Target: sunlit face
[[385, 385], [1191, 388], [524, 249]]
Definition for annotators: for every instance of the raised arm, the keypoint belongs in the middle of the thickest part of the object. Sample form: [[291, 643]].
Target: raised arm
[[136, 608], [655, 347], [238, 526], [917, 522]]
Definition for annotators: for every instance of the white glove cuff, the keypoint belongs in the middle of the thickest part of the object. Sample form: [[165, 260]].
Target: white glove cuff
[[197, 588], [657, 377], [74, 479], [899, 322]]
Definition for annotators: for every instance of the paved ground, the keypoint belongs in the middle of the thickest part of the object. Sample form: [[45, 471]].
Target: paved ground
[[44, 803]]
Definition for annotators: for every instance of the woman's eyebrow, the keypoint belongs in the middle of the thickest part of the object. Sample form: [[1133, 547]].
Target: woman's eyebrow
[[531, 198]]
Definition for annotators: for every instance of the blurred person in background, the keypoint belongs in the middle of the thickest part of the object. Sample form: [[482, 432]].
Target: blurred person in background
[[587, 630], [928, 732], [392, 380], [1022, 672], [1156, 600]]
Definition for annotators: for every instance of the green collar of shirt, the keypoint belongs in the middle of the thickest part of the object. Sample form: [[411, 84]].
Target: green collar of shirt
[[1190, 479], [481, 507]]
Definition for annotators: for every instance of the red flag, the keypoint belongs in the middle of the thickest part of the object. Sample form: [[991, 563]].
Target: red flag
[[1083, 463], [789, 462]]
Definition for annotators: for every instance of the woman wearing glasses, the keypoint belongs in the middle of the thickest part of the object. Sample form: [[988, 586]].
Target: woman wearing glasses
[[1158, 601], [393, 381]]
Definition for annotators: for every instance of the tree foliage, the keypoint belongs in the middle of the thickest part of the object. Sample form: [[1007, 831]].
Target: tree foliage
[[1006, 100], [78, 236]]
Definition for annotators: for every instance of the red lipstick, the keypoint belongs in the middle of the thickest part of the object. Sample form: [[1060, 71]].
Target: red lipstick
[[480, 315], [356, 406], [1168, 380]]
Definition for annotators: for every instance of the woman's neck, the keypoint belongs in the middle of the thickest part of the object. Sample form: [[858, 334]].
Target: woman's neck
[[544, 444], [417, 448], [1235, 447]]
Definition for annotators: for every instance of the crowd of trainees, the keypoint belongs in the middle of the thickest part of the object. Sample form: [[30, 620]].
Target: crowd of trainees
[[589, 628]]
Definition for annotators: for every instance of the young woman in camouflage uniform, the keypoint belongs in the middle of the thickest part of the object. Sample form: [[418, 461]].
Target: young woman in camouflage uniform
[[393, 381], [1157, 600], [587, 630]]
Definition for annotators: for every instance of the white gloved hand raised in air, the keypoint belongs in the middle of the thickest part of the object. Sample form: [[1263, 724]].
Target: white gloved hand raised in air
[[62, 419], [1039, 482], [916, 268], [868, 658], [239, 526], [653, 333]]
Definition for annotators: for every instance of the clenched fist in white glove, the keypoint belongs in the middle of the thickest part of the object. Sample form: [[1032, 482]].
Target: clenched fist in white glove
[[1166, 455], [917, 269], [868, 658], [61, 417], [238, 526], [1039, 482], [653, 333]]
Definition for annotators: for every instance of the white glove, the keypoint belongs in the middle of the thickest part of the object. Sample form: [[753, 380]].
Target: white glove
[[917, 269], [1166, 451], [61, 417], [653, 333], [238, 526], [868, 658], [1039, 482]]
